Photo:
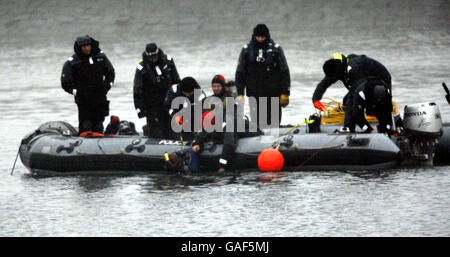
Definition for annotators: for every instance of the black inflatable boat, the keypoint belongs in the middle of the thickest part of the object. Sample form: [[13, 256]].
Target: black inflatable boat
[[424, 141], [52, 148]]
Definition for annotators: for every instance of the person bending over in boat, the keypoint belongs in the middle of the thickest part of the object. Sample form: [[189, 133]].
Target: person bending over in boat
[[89, 75], [374, 96], [155, 73], [193, 100], [353, 70]]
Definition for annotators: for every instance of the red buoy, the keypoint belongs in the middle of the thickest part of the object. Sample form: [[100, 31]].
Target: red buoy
[[270, 160]]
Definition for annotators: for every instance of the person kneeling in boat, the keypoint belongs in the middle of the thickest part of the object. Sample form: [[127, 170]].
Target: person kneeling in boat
[[228, 139], [375, 97], [353, 70], [187, 89], [221, 90]]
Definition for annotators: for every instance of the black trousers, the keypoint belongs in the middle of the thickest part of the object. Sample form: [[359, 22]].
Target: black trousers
[[91, 116], [158, 122], [348, 108]]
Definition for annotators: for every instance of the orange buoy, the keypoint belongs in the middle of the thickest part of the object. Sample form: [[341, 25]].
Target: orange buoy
[[270, 160]]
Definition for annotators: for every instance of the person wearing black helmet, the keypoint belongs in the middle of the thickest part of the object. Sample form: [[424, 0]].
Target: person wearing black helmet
[[155, 73], [263, 71], [375, 98], [192, 99], [88, 75], [353, 70]]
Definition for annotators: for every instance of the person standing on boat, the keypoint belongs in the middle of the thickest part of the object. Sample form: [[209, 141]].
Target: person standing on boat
[[263, 71], [155, 73], [89, 75], [353, 70]]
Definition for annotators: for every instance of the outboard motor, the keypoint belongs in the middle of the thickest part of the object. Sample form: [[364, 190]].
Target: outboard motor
[[423, 127]]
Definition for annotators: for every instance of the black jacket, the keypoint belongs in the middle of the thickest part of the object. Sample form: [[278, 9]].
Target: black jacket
[[268, 78], [174, 92], [364, 100], [152, 81], [358, 70], [92, 76]]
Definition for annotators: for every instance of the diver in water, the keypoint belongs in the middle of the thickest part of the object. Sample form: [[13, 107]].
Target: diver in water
[[263, 71], [155, 73], [89, 75], [182, 162], [353, 70]]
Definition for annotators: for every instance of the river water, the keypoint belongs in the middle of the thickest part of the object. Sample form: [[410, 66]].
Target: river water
[[205, 37]]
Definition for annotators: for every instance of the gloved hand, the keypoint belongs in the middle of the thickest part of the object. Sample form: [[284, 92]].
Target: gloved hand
[[141, 114], [284, 100], [241, 99], [319, 105]]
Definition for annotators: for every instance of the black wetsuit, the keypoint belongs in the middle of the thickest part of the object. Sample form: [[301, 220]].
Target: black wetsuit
[[151, 83], [263, 77], [92, 76], [359, 68]]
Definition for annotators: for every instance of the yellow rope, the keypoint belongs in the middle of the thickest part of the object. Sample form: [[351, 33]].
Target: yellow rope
[[334, 113]]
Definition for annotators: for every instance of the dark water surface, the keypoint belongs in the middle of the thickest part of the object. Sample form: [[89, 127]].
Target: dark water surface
[[205, 37]]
